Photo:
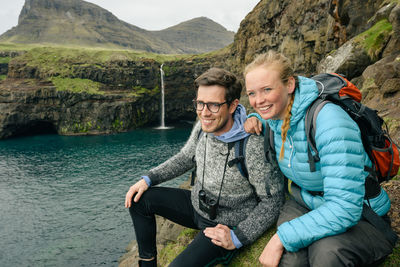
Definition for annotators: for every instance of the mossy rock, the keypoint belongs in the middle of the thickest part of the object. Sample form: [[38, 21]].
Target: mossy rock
[[373, 39], [247, 256]]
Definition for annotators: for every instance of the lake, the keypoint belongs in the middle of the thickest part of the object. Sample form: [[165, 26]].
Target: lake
[[62, 197]]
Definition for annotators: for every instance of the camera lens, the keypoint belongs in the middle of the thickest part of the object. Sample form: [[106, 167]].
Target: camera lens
[[202, 195]]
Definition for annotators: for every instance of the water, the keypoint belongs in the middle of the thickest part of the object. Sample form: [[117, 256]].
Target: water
[[62, 198]]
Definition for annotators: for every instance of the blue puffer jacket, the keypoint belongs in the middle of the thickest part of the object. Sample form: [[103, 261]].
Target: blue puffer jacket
[[340, 173]]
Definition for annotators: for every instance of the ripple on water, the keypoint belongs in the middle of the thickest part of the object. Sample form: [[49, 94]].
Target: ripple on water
[[61, 198]]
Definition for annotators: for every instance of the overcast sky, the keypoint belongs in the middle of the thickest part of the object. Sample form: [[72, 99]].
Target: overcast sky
[[153, 14]]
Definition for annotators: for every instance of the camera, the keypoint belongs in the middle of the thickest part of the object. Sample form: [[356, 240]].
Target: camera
[[208, 205]]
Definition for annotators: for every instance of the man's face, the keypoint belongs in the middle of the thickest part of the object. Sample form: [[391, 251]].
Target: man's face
[[221, 121]]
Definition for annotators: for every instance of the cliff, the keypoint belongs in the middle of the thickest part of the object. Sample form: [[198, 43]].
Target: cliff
[[357, 38], [316, 36], [80, 23], [82, 91]]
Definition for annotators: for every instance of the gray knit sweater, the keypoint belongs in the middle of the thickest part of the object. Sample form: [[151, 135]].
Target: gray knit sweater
[[238, 205]]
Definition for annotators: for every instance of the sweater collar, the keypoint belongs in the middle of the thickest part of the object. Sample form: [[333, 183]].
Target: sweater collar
[[237, 131]]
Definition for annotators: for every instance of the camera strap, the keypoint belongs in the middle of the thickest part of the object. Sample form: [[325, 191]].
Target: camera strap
[[230, 146]]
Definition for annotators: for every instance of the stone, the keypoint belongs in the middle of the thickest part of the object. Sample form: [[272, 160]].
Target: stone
[[391, 86], [348, 60]]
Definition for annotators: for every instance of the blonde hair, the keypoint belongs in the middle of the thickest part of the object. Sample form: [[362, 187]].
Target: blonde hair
[[283, 65]]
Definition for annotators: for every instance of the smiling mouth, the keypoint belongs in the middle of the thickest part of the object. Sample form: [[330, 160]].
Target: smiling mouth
[[265, 109], [207, 121]]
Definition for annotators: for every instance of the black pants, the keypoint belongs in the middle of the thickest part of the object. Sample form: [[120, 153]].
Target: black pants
[[175, 205]]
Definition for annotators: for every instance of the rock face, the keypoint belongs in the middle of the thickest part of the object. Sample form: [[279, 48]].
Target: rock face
[[360, 39], [129, 94], [305, 31], [325, 35], [77, 22], [28, 106]]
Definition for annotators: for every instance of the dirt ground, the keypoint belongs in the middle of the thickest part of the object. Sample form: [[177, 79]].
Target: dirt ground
[[393, 189]]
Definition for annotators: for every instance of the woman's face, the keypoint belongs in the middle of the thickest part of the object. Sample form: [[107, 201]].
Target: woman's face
[[268, 95]]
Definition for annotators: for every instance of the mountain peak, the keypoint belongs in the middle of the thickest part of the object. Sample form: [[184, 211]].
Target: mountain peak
[[76, 22]]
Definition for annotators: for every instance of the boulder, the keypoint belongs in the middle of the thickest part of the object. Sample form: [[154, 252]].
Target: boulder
[[349, 60]]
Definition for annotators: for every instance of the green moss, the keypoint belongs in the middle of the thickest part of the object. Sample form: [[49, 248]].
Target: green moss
[[392, 123], [3, 77], [76, 85], [87, 54], [4, 60], [16, 47], [249, 255], [60, 61], [373, 39], [174, 248], [118, 125], [79, 127], [139, 91], [246, 257], [393, 259]]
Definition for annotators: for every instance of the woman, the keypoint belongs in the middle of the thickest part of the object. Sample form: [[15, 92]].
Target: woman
[[322, 227]]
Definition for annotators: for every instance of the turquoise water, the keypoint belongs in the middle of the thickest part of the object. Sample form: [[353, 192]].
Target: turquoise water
[[62, 198]]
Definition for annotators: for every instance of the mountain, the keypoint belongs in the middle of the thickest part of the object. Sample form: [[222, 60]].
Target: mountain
[[76, 22], [199, 34]]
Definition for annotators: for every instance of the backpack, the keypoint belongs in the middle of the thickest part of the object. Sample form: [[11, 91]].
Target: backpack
[[381, 149]]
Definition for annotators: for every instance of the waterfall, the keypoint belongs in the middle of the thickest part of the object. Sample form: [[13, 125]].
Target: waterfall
[[162, 98], [162, 118]]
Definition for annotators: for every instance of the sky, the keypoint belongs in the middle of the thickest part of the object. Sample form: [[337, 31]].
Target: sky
[[153, 14]]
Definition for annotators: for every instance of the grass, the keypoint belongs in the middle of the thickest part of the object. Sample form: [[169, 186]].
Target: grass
[[76, 85], [61, 61], [373, 38], [3, 77], [248, 256], [393, 260], [91, 54], [173, 249], [139, 91], [4, 60]]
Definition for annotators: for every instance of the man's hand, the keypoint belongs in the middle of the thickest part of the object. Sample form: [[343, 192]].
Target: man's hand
[[220, 235], [272, 253], [138, 188], [253, 125]]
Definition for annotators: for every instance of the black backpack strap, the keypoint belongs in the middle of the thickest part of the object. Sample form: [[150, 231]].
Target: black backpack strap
[[310, 123], [379, 223], [269, 147], [239, 160], [193, 176]]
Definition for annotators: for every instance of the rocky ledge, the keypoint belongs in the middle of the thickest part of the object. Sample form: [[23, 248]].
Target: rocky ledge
[[28, 106]]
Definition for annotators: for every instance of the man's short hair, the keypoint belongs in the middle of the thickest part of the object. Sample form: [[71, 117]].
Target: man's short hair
[[224, 78]]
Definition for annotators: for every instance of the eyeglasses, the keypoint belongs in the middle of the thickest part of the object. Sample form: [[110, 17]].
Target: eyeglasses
[[213, 107]]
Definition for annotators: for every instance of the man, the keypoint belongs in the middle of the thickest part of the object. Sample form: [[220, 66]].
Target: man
[[231, 210]]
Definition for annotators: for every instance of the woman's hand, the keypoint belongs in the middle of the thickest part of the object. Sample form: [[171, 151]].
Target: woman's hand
[[138, 188], [220, 235], [253, 125], [272, 253]]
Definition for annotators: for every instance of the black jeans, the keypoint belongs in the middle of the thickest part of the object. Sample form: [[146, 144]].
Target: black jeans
[[175, 205]]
